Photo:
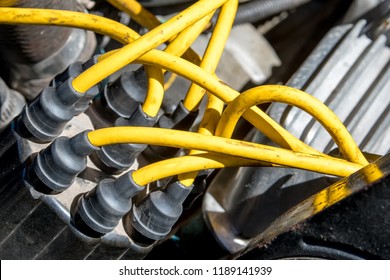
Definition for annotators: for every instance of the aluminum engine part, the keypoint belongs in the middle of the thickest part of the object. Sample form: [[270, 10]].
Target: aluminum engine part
[[350, 73]]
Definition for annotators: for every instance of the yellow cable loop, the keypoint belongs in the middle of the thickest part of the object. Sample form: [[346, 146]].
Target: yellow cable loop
[[211, 84], [213, 51], [236, 148], [147, 42], [148, 20], [157, 58], [294, 97], [254, 115], [113, 29]]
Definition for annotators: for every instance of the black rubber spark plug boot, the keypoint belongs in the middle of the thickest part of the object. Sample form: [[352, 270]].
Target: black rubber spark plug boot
[[73, 71], [152, 219], [180, 119], [119, 99], [114, 159], [99, 211], [45, 118], [55, 168]]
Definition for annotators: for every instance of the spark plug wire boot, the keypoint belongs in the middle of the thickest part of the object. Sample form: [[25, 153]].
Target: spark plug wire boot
[[45, 118], [119, 99], [180, 119], [99, 211], [153, 218], [114, 159], [73, 71], [55, 168]]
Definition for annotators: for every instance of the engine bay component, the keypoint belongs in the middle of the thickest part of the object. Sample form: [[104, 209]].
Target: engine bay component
[[153, 218], [55, 168], [129, 113], [99, 211]]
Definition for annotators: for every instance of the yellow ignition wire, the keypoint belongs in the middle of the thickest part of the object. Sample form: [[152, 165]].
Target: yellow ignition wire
[[126, 35], [236, 148], [139, 47], [137, 12], [148, 20], [178, 46], [155, 92], [7, 3], [171, 80], [188, 165], [207, 126], [213, 51], [211, 116], [209, 63], [157, 58], [294, 97], [254, 115], [186, 38], [98, 24]]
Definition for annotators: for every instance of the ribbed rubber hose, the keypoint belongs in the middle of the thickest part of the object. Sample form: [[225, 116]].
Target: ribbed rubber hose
[[257, 10], [31, 44]]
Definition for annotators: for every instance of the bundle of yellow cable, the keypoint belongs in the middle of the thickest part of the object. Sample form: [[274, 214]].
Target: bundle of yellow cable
[[161, 59], [211, 147]]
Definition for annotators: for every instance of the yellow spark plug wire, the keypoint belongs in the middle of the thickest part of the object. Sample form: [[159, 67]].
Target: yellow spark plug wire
[[294, 97]]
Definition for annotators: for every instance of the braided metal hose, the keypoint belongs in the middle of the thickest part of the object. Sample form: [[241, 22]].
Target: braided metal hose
[[256, 10]]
